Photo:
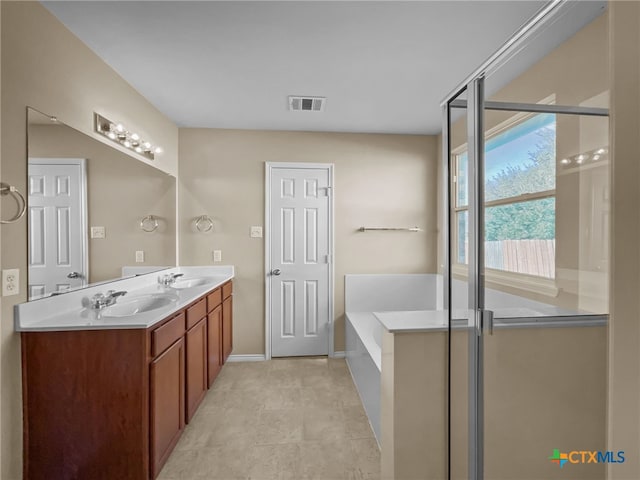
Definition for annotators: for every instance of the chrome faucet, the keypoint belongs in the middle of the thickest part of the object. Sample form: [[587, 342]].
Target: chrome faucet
[[101, 300], [169, 278]]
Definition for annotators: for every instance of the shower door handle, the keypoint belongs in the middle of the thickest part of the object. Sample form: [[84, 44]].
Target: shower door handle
[[487, 321]]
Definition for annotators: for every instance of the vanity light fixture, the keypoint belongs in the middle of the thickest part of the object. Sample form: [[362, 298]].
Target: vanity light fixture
[[118, 133], [595, 155]]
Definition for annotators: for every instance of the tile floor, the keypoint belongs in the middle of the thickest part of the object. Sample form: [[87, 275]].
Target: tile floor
[[285, 419]]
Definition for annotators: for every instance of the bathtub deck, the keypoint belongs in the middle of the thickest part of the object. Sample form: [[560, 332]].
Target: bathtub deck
[[364, 359]]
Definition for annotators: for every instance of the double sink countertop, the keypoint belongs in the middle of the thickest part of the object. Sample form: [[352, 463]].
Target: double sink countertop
[[68, 311]]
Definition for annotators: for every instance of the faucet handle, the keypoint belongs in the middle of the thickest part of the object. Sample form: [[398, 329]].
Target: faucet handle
[[97, 301]]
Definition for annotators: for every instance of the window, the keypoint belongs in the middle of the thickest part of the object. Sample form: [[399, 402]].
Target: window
[[520, 182]]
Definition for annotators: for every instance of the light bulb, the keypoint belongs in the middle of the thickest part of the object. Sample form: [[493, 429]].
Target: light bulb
[[581, 157], [565, 161], [135, 136], [596, 157], [127, 143], [120, 127], [138, 149], [111, 135], [601, 150], [158, 150], [147, 145]]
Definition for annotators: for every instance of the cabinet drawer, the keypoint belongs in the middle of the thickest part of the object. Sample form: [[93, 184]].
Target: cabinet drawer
[[227, 289], [196, 313], [214, 299], [162, 337]]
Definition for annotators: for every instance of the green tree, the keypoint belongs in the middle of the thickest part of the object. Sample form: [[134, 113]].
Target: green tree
[[533, 219]]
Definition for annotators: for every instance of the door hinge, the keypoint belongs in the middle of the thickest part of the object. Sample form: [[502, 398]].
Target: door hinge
[[327, 191], [328, 259]]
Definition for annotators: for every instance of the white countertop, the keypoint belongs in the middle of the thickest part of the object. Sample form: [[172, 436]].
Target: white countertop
[[436, 320], [413, 321], [66, 312]]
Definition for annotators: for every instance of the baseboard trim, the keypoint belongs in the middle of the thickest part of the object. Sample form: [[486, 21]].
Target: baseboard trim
[[246, 358], [339, 354]]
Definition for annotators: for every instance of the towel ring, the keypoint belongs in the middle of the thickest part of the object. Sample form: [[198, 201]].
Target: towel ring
[[149, 223], [6, 189], [204, 223]]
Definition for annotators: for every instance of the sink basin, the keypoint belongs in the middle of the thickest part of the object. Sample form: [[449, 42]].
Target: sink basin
[[191, 282], [128, 306]]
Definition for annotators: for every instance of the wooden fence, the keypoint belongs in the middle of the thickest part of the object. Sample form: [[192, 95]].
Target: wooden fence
[[532, 257]]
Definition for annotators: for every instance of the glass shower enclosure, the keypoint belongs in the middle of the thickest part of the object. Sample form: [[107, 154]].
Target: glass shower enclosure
[[525, 143]]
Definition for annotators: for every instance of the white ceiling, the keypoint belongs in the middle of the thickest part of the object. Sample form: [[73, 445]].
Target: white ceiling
[[383, 66]]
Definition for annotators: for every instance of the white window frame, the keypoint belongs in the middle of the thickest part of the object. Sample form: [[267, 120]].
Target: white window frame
[[531, 283]]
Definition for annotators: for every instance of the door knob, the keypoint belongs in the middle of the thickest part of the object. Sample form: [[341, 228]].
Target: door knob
[[74, 275], [276, 272]]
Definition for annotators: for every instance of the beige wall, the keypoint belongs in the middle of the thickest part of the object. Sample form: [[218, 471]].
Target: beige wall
[[544, 388], [624, 325], [414, 406], [380, 180], [46, 67], [119, 193]]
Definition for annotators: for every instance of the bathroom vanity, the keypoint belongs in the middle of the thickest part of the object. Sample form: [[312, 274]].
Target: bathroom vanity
[[107, 393]]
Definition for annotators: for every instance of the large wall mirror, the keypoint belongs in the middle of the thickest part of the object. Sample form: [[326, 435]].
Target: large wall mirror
[[95, 214]]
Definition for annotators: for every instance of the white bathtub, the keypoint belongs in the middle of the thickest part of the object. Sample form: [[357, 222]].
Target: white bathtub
[[364, 358], [365, 294], [409, 300]]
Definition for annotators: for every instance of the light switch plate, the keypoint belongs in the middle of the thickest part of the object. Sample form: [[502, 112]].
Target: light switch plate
[[217, 255], [98, 232], [10, 282], [256, 232], [139, 256]]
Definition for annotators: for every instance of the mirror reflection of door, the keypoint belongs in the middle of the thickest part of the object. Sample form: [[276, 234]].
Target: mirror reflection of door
[[57, 225]]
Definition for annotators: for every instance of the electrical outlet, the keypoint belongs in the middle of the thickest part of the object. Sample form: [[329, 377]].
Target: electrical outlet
[[217, 255], [139, 256], [98, 232], [256, 232], [10, 282]]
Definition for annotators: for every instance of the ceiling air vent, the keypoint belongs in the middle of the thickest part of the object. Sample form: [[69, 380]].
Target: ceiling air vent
[[307, 104]]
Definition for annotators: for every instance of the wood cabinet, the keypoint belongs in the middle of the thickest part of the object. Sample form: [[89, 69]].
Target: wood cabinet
[[167, 386], [106, 404], [85, 405], [197, 381], [227, 328], [214, 344]]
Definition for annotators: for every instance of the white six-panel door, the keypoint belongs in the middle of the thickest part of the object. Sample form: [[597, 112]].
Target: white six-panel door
[[57, 225], [299, 275]]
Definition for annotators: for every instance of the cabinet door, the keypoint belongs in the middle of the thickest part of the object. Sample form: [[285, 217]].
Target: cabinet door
[[227, 328], [167, 403], [196, 366], [214, 345]]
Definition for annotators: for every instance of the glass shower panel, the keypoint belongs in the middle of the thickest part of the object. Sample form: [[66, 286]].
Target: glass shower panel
[[545, 213], [459, 326]]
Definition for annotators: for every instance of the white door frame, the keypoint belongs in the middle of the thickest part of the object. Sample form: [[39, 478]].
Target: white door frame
[[269, 166], [82, 163]]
